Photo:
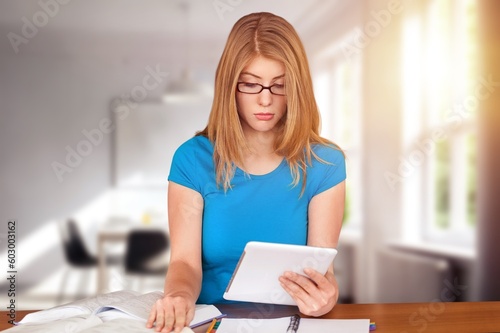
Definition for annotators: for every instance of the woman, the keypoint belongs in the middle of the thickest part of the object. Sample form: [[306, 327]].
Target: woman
[[258, 171]]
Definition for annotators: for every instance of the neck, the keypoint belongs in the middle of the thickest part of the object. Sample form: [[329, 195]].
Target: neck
[[261, 158], [260, 143]]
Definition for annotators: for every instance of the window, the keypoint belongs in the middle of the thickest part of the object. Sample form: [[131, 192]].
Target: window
[[337, 83], [439, 124]]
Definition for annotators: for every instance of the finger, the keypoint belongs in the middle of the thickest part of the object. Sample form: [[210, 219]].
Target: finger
[[327, 287], [152, 317], [319, 279], [180, 318], [302, 281], [306, 304], [293, 288], [190, 315], [327, 284], [170, 317], [309, 297], [160, 315]]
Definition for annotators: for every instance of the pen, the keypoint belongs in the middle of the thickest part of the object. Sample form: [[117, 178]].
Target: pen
[[216, 326], [201, 323], [294, 324], [212, 324]]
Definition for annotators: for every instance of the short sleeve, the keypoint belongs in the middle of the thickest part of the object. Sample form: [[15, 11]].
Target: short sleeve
[[183, 167], [329, 172]]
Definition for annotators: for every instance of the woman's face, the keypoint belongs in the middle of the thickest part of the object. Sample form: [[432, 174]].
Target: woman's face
[[261, 112]]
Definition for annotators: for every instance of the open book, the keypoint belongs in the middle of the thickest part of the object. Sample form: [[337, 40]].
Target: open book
[[294, 324], [111, 308]]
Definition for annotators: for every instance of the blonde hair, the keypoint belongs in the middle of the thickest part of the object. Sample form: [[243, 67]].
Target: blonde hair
[[270, 36]]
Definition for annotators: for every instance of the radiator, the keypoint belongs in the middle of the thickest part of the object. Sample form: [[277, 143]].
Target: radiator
[[406, 277]]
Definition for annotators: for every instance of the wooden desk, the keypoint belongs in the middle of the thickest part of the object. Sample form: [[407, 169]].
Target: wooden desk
[[390, 318], [397, 318]]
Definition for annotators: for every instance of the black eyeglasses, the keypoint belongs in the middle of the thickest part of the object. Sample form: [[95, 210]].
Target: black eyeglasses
[[256, 88]]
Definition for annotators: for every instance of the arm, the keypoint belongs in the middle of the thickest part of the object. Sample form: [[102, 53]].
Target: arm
[[318, 294], [183, 280]]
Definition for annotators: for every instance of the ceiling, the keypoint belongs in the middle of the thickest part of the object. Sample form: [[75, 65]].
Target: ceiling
[[173, 33], [205, 18]]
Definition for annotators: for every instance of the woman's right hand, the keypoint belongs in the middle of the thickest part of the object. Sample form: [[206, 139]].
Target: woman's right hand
[[171, 313], [183, 280]]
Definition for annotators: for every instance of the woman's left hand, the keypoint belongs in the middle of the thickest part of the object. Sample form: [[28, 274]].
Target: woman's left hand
[[315, 294]]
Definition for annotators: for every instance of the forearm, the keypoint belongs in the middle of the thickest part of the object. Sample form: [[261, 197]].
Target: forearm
[[183, 279]]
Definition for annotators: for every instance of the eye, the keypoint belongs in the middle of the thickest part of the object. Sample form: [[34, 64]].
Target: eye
[[249, 85], [279, 86]]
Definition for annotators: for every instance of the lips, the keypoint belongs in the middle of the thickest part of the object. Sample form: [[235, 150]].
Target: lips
[[264, 116]]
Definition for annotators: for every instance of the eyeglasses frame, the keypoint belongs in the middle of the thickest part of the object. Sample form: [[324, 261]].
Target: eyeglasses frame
[[256, 93]]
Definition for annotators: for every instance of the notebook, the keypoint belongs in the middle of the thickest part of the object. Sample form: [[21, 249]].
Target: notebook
[[293, 324]]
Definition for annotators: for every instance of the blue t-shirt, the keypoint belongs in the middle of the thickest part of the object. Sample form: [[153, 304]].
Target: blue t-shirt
[[263, 208]]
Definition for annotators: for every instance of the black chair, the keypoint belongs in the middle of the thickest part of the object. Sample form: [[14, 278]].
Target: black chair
[[143, 247], [146, 256], [76, 252], [77, 255], [74, 248]]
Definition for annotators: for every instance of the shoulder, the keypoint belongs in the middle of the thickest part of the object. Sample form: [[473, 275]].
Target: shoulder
[[195, 143], [194, 151], [198, 146], [329, 153], [192, 163], [327, 168]]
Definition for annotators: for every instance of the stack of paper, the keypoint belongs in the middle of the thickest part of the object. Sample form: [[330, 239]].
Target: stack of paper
[[120, 311]]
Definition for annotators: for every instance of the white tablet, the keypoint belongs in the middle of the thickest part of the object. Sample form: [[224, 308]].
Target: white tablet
[[255, 278]]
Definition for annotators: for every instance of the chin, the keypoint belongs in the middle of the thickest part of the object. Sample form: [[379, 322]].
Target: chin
[[264, 129]]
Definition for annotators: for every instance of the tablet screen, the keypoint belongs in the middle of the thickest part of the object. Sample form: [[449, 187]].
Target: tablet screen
[[255, 278]]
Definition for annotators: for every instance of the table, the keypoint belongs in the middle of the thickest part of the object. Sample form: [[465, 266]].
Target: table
[[400, 317], [114, 234], [431, 317], [107, 234]]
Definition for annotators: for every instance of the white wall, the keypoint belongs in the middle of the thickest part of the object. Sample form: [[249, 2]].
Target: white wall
[[50, 96]]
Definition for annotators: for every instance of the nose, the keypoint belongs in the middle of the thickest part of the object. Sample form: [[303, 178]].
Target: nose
[[265, 97]]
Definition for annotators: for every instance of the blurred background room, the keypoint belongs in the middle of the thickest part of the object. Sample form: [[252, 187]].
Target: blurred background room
[[96, 96]]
